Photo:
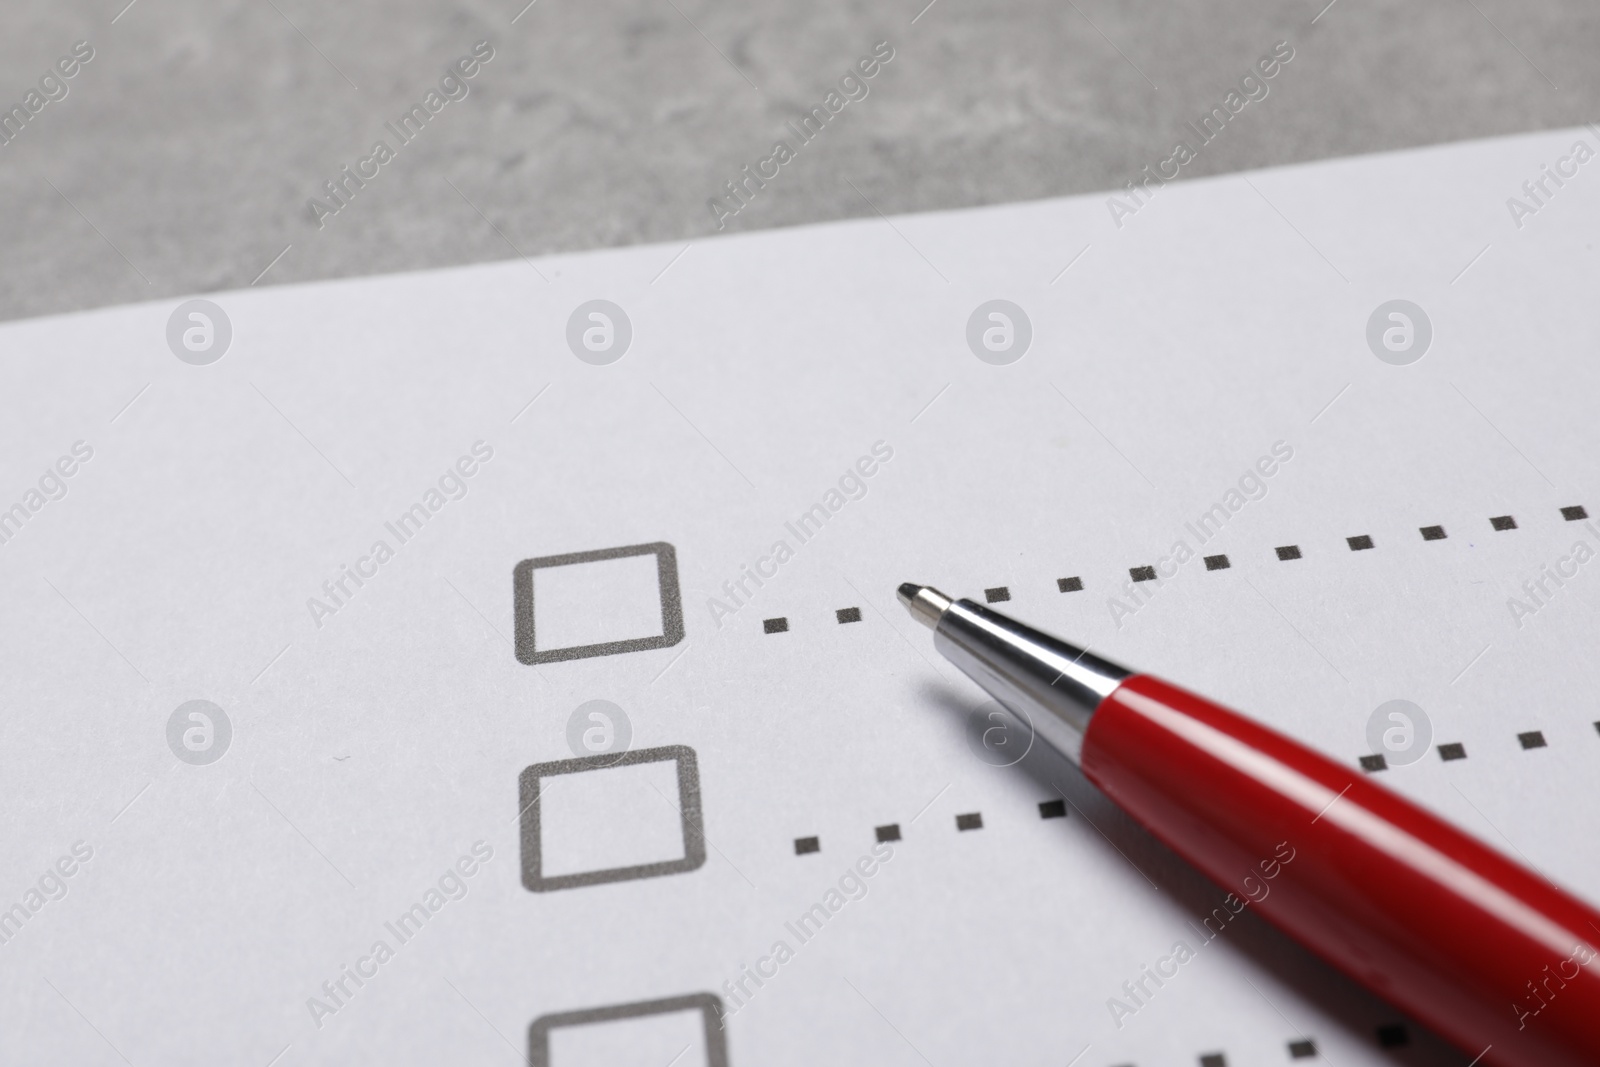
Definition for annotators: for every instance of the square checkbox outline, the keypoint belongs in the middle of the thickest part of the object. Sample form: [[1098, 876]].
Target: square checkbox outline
[[527, 648], [688, 805], [709, 1005]]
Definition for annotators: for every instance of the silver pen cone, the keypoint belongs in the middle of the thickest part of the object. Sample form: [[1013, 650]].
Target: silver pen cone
[[1027, 671]]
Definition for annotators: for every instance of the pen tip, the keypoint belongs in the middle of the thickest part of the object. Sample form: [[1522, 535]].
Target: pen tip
[[925, 603]]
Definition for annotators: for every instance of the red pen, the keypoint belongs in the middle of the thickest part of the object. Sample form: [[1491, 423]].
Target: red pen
[[1488, 954]]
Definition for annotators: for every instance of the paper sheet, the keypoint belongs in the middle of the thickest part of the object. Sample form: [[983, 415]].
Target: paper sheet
[[358, 773]]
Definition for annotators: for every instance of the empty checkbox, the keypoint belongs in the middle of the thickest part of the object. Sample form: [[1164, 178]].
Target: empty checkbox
[[682, 1031], [611, 818], [597, 603]]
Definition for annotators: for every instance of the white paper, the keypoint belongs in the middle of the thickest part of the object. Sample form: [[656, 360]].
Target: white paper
[[375, 741]]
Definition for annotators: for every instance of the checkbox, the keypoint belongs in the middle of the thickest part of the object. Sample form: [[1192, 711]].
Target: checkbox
[[598, 603], [611, 818], [681, 1031]]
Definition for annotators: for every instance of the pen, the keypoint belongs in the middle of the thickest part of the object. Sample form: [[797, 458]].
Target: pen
[[1490, 955]]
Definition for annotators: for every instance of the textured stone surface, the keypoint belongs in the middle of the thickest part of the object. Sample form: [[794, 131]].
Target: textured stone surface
[[186, 151]]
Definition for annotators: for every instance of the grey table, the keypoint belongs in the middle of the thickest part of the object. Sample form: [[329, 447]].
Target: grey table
[[184, 154]]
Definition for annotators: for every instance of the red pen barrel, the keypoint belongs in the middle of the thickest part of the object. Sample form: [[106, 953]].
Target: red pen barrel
[[1485, 952]]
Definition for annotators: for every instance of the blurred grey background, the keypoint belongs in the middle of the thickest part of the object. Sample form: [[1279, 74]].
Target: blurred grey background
[[184, 154]]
